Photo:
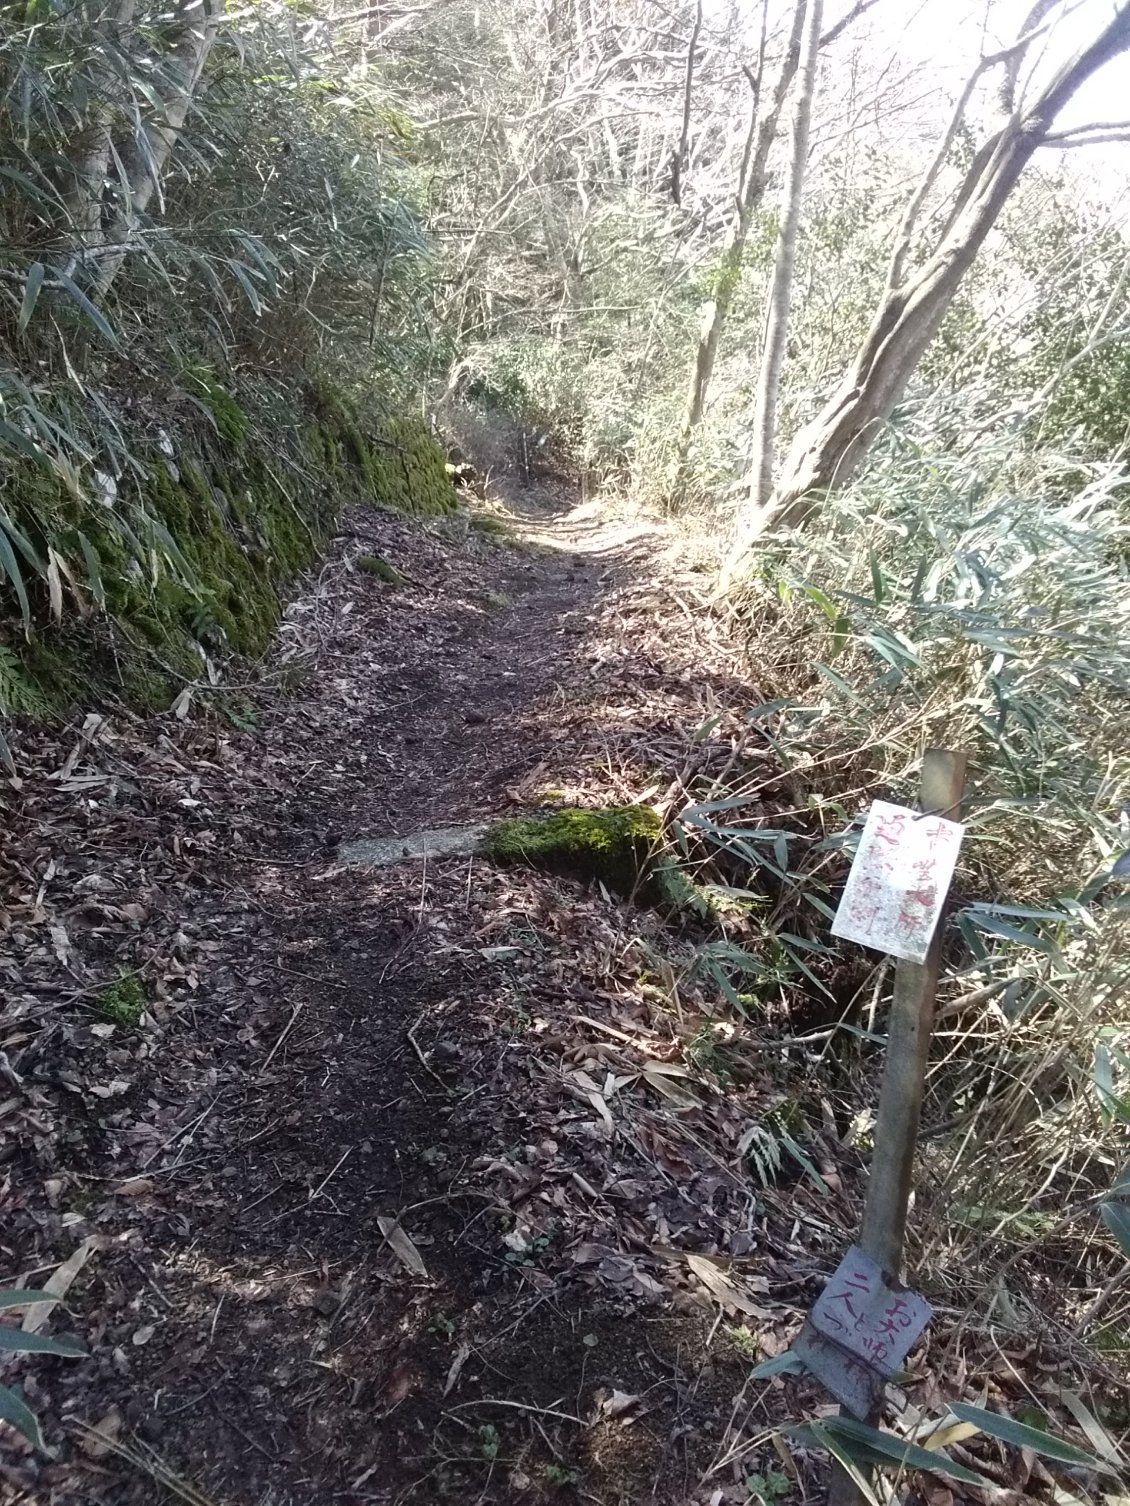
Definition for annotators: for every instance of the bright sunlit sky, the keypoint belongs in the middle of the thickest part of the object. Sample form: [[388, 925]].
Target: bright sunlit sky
[[946, 37]]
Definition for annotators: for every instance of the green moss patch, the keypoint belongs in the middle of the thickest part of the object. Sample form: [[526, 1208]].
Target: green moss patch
[[495, 601], [397, 459], [231, 422], [621, 845], [19, 693], [678, 893], [376, 564], [189, 554], [495, 530], [614, 844], [123, 1001], [407, 470]]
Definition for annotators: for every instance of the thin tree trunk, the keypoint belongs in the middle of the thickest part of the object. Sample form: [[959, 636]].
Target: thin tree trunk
[[88, 157], [146, 155], [827, 452], [751, 190], [784, 269], [679, 159], [87, 165]]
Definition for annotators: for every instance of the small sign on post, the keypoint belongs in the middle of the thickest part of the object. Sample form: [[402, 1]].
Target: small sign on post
[[893, 901], [862, 1327], [898, 882]]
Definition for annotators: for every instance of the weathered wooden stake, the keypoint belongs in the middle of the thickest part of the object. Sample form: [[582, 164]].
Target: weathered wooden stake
[[904, 1076]]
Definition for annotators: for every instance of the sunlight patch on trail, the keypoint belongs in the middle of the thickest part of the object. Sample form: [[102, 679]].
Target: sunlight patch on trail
[[593, 528]]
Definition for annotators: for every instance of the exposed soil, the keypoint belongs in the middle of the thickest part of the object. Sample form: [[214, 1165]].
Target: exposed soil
[[415, 1184], [355, 1227]]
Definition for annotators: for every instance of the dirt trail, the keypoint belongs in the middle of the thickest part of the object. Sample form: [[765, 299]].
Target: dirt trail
[[355, 1228], [451, 728]]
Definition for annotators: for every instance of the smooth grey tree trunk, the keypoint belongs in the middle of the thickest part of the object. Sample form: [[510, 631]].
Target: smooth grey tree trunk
[[828, 451], [146, 155], [784, 267], [88, 159], [751, 190]]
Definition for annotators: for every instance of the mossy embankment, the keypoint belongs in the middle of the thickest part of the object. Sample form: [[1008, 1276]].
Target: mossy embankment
[[121, 579]]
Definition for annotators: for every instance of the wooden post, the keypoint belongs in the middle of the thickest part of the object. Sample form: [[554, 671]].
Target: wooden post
[[904, 1076]]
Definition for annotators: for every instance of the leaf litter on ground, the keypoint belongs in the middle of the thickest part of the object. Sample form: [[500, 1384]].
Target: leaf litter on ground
[[569, 1165]]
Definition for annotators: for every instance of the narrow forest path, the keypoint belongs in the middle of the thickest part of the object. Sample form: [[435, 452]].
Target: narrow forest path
[[395, 1194]]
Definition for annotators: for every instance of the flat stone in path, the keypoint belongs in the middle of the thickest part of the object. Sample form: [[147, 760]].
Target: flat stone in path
[[439, 842]]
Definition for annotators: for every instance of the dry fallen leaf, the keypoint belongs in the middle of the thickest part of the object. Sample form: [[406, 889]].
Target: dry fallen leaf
[[60, 943], [661, 1082], [592, 1094], [401, 1383], [402, 1246], [134, 1187], [664, 1069], [955, 1432], [113, 1089], [98, 1441], [1097, 1436], [59, 1280], [457, 1364], [647, 1285], [722, 1289], [640, 1041], [616, 1403]]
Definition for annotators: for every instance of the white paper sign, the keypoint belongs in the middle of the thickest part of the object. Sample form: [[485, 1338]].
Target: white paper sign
[[898, 881]]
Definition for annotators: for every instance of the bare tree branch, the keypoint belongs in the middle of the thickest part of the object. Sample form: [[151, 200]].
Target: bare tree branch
[[679, 159], [755, 81], [905, 234], [1063, 144], [827, 451], [858, 9], [1060, 137], [1014, 58], [1036, 23]]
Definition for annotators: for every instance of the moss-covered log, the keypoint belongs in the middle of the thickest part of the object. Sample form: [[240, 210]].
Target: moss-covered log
[[620, 845], [614, 844]]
